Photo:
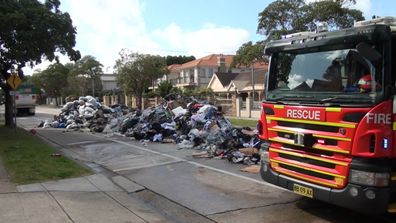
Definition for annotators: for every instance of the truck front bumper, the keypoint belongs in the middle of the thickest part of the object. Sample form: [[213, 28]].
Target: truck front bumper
[[340, 197]]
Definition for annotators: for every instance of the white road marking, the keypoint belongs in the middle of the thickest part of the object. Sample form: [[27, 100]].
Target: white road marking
[[80, 143], [147, 166], [194, 163]]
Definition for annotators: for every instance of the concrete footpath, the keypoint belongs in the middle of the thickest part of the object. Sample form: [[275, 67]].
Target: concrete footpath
[[93, 198]]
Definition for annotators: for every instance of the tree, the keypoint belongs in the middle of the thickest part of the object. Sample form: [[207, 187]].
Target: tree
[[326, 11], [178, 59], [29, 32], [164, 88], [248, 53], [289, 16], [282, 17], [51, 79], [85, 76], [137, 71]]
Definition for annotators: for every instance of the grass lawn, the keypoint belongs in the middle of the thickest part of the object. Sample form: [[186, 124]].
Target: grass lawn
[[28, 159], [243, 122]]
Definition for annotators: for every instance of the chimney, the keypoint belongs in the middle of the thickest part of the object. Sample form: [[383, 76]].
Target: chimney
[[221, 63]]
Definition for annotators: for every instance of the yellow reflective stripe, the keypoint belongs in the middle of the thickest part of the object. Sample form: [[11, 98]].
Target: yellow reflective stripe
[[333, 109], [394, 125], [335, 124], [309, 156], [315, 135], [306, 178], [279, 106], [281, 130], [332, 137], [285, 141], [330, 149], [309, 169]]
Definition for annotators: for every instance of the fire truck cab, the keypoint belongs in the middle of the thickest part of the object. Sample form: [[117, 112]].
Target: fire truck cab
[[328, 121]]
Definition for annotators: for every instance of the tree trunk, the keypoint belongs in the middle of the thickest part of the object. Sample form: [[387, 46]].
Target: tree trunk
[[139, 102], [9, 121]]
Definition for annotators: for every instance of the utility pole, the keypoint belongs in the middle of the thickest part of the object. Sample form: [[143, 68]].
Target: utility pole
[[253, 81], [93, 87]]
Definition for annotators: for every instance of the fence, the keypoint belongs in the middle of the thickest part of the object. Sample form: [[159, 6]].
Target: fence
[[230, 107], [225, 105]]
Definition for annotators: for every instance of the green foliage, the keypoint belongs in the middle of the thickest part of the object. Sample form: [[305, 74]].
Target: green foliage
[[248, 53], [178, 59], [51, 79], [289, 16], [136, 72], [31, 30], [151, 94], [164, 88], [176, 91], [188, 92], [199, 92], [281, 17], [84, 78]]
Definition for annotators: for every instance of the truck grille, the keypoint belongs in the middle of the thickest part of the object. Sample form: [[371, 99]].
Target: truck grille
[[324, 162]]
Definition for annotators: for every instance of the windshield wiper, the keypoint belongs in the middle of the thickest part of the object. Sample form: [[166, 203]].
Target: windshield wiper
[[344, 99], [294, 97]]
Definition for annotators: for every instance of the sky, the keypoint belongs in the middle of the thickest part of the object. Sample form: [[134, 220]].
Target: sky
[[172, 27]]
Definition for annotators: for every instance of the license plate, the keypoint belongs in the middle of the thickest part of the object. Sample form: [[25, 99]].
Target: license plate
[[301, 190]]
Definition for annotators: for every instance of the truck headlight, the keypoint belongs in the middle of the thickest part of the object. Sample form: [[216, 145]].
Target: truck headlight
[[369, 178], [265, 156]]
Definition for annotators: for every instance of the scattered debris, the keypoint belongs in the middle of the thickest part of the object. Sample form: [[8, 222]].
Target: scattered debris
[[251, 169], [56, 155], [190, 123]]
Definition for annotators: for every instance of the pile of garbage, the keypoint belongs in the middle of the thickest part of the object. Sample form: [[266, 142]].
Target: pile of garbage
[[190, 123]]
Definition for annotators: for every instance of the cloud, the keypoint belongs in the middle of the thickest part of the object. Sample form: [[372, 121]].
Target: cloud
[[105, 27], [364, 6], [206, 40]]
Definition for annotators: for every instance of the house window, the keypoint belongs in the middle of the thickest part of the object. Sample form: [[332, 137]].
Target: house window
[[210, 72]]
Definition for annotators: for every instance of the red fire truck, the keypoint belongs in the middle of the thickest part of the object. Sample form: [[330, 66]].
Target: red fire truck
[[328, 122]]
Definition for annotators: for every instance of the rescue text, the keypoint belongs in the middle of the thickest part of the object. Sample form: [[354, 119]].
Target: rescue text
[[303, 114]]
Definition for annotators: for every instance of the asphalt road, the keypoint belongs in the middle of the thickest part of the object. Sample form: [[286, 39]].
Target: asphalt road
[[187, 189]]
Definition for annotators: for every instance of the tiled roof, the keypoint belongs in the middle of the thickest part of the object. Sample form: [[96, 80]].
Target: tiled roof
[[210, 60], [174, 67], [226, 78]]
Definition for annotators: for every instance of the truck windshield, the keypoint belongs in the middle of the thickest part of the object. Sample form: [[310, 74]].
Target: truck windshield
[[341, 76]]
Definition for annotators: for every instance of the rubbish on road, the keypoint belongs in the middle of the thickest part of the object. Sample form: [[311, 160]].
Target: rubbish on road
[[201, 154], [186, 121], [251, 169]]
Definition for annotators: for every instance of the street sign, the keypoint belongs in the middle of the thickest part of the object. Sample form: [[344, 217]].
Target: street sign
[[13, 81]]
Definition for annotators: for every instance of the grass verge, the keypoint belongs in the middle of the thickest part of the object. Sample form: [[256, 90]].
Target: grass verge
[[27, 159], [244, 122]]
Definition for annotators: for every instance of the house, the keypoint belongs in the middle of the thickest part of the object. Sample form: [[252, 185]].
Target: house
[[220, 81], [109, 82], [242, 84], [174, 72], [197, 73]]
